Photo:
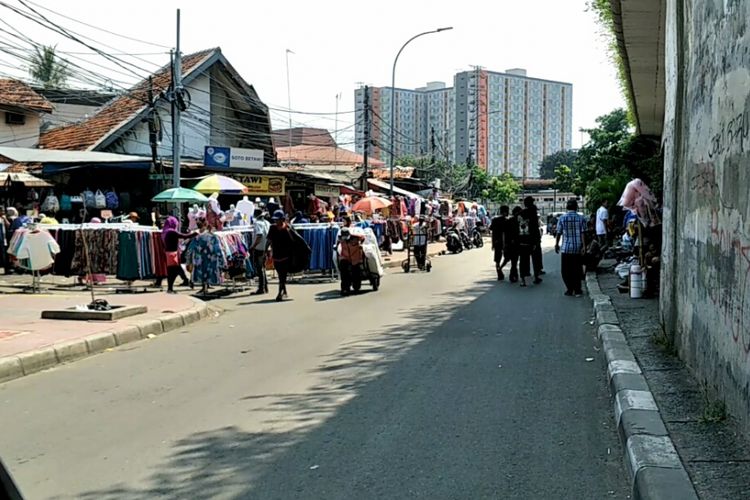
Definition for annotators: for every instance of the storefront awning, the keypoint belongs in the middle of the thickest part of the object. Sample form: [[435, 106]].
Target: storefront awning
[[387, 187], [27, 180], [61, 169]]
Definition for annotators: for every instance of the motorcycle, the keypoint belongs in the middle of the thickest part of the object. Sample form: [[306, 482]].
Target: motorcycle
[[476, 238], [466, 240], [453, 241]]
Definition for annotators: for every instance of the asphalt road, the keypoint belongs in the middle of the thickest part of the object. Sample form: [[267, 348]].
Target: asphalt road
[[446, 385]]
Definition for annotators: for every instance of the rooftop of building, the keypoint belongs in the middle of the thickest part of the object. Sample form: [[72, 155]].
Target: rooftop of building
[[19, 95]]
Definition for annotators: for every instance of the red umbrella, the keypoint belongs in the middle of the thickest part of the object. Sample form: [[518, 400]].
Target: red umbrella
[[371, 204]]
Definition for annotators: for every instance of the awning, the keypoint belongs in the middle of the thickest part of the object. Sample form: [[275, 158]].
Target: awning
[[27, 180], [61, 169], [387, 187]]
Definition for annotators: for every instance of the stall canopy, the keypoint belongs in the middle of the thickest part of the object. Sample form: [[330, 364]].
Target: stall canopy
[[57, 161], [380, 185], [27, 180]]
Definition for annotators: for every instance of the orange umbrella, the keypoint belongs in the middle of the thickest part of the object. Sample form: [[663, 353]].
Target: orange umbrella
[[370, 204]]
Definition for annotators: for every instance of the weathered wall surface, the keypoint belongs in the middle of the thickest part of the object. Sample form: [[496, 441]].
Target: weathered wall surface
[[706, 279]]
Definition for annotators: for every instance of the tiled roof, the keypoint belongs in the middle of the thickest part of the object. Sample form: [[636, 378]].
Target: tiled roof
[[19, 95], [307, 136], [322, 155], [90, 132]]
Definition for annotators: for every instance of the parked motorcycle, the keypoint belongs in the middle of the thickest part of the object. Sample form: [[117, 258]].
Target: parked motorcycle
[[453, 241], [476, 238]]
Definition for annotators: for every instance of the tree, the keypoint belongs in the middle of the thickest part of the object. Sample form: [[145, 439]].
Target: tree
[[47, 69], [613, 156], [550, 162], [502, 189]]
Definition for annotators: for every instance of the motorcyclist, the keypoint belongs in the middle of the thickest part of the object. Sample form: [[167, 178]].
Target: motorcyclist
[[351, 259]]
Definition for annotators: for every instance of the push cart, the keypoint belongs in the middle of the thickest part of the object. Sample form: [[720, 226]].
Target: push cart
[[411, 259]]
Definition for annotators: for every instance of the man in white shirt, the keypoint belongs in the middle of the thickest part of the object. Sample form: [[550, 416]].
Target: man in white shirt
[[602, 223], [258, 249]]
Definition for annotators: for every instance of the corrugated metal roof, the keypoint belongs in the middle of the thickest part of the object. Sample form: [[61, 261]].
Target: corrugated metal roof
[[31, 155]]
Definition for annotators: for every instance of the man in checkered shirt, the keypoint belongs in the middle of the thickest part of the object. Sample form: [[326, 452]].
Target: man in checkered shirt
[[571, 228]]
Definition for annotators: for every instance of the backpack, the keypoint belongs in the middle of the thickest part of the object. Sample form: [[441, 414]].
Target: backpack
[[112, 201], [100, 201]]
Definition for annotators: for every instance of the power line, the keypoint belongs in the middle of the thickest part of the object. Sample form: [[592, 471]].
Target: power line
[[126, 37]]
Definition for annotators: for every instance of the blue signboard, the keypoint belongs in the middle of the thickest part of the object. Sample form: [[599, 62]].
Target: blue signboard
[[216, 156]]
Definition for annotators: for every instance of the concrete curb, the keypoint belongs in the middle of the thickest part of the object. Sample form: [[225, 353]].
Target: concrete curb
[[12, 367], [654, 465]]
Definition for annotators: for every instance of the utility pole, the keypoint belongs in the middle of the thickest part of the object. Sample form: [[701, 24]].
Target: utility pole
[[176, 90], [336, 129], [367, 138], [432, 145], [152, 129]]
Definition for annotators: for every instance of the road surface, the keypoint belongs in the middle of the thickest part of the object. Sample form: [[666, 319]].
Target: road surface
[[447, 385]]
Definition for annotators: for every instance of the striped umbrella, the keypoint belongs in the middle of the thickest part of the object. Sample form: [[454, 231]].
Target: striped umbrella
[[216, 183]]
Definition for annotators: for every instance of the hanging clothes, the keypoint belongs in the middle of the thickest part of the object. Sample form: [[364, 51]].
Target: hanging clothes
[[35, 250], [207, 258]]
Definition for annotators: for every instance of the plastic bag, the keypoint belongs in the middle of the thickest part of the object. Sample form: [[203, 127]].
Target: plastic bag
[[88, 198], [51, 204], [65, 203], [100, 201]]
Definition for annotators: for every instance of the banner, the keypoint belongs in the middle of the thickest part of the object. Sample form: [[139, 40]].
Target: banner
[[325, 191], [262, 185]]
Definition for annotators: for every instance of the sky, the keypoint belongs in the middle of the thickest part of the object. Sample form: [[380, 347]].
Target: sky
[[337, 45]]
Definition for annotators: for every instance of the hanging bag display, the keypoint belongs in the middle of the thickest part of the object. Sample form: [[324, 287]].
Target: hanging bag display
[[51, 204], [88, 199], [113, 201], [65, 203], [100, 201]]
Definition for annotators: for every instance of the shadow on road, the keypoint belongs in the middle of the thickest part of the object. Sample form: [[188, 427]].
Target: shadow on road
[[460, 399]]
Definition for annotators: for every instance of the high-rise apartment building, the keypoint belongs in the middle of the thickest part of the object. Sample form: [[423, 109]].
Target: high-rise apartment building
[[503, 122]]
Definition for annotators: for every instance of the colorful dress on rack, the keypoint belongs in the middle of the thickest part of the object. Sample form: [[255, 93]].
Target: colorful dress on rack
[[206, 255]]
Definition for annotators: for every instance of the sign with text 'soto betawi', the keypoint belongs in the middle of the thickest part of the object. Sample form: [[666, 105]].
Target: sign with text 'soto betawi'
[[215, 156]]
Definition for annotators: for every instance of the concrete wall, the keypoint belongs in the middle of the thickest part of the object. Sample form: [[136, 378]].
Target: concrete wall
[[706, 278], [20, 136]]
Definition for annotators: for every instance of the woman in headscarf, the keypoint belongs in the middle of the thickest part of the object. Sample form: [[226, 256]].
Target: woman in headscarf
[[171, 238]]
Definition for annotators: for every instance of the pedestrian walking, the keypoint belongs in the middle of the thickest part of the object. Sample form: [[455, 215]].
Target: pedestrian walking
[[281, 243], [529, 238], [258, 250], [498, 229], [572, 229], [419, 232], [171, 238], [531, 213], [510, 244], [602, 223]]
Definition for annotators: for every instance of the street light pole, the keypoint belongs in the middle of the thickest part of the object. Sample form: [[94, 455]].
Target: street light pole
[[391, 156]]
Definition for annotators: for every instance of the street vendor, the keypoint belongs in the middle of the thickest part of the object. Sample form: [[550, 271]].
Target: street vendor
[[351, 259], [419, 231]]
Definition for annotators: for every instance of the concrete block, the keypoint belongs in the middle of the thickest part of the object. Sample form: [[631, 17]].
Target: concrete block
[[633, 381], [648, 422], [172, 322], [607, 318], [127, 334], [643, 451], [616, 366], [150, 327], [613, 336], [70, 351], [38, 360], [192, 316], [602, 306], [608, 328], [618, 352], [653, 483], [10, 368], [100, 342], [601, 299], [203, 311], [633, 400]]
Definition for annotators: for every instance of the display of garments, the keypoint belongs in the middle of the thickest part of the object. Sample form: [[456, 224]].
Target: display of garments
[[246, 208], [207, 258], [35, 250], [102, 251], [321, 241]]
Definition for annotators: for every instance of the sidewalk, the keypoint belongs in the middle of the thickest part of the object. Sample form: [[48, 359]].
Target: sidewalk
[[658, 401], [29, 344]]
